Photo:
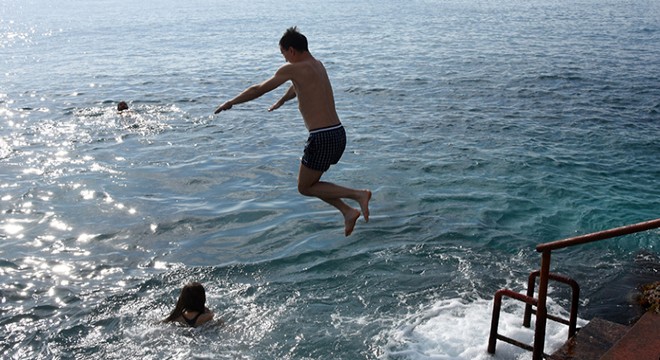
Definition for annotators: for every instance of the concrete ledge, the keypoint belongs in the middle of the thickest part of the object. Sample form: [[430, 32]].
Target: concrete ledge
[[592, 341], [642, 342]]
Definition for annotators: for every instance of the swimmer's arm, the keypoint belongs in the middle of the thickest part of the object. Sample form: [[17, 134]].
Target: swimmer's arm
[[290, 94], [281, 76]]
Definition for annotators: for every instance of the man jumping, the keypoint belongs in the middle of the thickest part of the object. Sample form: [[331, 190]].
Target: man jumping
[[327, 138]]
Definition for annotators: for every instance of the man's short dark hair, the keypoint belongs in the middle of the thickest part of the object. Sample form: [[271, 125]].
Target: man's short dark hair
[[293, 38]]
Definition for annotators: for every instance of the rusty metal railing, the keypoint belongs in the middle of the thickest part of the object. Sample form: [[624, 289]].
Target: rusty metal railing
[[530, 301], [575, 298], [544, 276]]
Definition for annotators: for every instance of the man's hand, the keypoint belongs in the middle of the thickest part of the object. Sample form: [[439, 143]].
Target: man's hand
[[275, 106], [226, 106]]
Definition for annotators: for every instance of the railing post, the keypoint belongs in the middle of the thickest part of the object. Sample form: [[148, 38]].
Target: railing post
[[531, 285], [492, 339], [575, 300], [541, 309]]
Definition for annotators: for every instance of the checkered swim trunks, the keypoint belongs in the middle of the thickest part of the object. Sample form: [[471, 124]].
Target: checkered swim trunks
[[324, 147]]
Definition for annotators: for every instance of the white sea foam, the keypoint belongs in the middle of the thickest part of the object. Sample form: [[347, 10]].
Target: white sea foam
[[455, 329]]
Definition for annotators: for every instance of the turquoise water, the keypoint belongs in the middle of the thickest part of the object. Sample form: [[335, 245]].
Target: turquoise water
[[482, 128]]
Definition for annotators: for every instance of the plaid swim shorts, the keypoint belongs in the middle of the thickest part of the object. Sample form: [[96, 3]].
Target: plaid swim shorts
[[324, 147]]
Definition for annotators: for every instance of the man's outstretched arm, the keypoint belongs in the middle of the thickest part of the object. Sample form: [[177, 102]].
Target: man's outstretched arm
[[290, 94], [256, 90]]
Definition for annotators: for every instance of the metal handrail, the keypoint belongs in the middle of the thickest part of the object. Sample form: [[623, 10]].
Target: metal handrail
[[530, 301], [497, 304], [544, 275], [600, 235], [575, 298]]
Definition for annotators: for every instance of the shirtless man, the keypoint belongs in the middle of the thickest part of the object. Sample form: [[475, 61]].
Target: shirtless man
[[327, 138]]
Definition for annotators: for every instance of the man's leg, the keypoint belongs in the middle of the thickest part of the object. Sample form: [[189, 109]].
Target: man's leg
[[309, 184]]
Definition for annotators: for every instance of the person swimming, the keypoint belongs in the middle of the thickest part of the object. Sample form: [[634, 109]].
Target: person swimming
[[121, 106], [191, 307]]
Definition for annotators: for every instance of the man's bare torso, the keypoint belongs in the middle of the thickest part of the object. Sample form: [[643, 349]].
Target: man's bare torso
[[316, 101]]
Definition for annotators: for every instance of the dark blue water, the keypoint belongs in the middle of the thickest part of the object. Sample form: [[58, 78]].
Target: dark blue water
[[482, 128]]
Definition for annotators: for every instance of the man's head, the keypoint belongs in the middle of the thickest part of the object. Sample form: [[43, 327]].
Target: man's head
[[293, 39]]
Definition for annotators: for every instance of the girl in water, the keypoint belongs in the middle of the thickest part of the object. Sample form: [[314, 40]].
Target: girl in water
[[191, 307]]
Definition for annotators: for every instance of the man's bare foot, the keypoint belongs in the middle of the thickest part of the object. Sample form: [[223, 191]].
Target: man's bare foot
[[350, 218], [363, 200]]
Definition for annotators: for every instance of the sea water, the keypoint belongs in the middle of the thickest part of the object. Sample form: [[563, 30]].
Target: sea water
[[482, 128]]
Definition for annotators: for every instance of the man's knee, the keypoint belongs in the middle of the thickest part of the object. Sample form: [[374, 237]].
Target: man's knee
[[307, 178], [304, 189]]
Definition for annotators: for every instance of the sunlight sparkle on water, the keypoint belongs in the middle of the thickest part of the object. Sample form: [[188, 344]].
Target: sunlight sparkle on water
[[60, 225], [27, 207], [13, 229], [87, 194], [85, 238], [100, 168], [62, 269], [160, 265], [33, 171], [7, 113]]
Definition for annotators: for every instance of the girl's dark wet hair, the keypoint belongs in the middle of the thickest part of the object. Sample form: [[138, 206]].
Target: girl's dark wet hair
[[192, 298], [293, 38]]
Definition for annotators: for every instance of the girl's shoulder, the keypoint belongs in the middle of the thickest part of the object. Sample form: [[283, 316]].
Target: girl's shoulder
[[195, 318], [206, 316]]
